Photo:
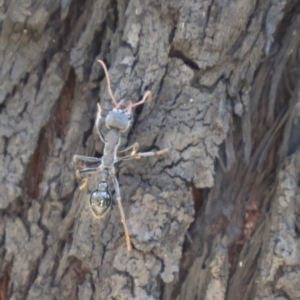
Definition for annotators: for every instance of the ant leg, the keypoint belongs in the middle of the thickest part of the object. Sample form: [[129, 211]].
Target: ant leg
[[144, 154], [84, 180], [88, 170], [119, 201], [97, 123], [135, 146], [76, 158]]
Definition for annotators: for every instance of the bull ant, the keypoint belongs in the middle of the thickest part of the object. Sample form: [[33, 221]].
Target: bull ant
[[117, 121]]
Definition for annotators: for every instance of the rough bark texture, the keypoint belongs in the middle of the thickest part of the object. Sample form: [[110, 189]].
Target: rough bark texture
[[218, 217]]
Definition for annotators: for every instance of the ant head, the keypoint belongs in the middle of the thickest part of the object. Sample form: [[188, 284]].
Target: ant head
[[119, 119]]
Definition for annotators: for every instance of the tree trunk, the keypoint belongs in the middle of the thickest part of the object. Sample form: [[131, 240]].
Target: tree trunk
[[218, 216]]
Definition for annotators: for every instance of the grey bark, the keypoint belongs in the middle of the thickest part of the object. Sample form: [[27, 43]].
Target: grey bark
[[218, 217]]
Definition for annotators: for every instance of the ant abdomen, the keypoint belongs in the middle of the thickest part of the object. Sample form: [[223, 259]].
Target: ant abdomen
[[100, 200]]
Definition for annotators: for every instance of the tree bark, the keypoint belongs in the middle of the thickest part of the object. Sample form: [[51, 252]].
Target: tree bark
[[218, 216]]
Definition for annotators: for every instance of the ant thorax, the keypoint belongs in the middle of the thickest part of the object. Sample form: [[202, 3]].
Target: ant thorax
[[118, 119]]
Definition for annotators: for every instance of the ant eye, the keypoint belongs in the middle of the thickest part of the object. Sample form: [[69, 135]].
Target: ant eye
[[129, 117]]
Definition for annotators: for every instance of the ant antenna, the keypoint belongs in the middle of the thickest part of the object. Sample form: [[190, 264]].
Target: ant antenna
[[108, 82], [147, 95]]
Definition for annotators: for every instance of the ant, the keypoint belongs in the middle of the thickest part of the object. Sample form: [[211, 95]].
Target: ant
[[117, 121]]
